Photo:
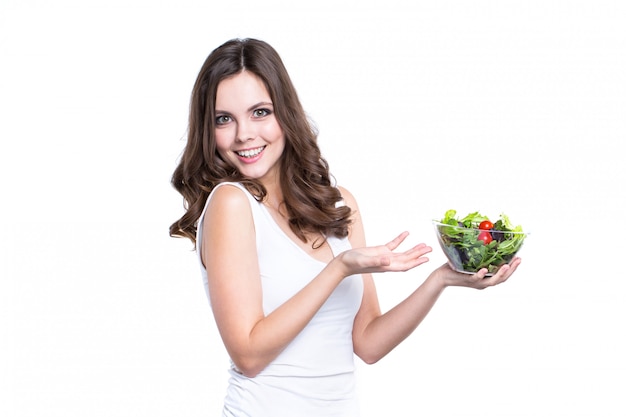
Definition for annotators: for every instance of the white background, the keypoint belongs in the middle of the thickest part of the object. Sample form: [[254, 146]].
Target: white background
[[497, 106]]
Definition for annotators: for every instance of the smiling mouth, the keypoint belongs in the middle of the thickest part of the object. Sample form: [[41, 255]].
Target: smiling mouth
[[250, 153]]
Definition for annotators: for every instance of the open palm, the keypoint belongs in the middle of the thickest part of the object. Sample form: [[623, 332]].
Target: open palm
[[382, 258]]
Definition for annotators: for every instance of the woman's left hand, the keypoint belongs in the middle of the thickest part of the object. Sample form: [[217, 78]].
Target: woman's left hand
[[479, 280]]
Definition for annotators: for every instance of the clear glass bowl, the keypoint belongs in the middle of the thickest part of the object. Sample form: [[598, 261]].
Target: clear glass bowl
[[469, 250]]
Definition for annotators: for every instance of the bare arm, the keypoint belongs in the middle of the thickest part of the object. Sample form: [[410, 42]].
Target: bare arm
[[229, 253], [376, 334]]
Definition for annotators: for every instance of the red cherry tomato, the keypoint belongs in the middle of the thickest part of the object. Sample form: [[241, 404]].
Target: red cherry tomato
[[485, 236], [485, 225]]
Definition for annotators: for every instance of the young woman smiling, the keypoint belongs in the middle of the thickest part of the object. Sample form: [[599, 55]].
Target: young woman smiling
[[282, 249]]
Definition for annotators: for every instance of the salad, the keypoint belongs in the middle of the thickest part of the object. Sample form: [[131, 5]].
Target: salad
[[474, 242]]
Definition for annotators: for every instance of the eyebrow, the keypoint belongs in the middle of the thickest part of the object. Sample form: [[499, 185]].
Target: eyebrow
[[259, 104]]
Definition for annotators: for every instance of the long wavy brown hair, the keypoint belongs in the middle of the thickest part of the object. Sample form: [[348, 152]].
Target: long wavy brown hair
[[309, 196]]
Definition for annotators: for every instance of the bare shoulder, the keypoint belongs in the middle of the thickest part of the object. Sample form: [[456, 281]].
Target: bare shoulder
[[356, 233], [228, 212], [228, 224], [229, 197], [348, 198], [227, 200]]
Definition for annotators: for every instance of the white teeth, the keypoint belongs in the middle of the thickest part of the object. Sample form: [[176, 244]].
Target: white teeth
[[249, 153]]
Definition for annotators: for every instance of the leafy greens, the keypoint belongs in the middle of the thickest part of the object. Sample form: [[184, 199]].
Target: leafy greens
[[459, 239]]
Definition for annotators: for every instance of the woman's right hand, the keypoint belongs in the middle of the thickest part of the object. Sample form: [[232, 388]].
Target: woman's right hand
[[382, 258]]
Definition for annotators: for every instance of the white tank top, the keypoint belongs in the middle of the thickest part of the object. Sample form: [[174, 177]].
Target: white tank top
[[314, 375]]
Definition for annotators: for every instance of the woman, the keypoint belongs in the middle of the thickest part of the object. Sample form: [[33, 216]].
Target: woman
[[282, 249]]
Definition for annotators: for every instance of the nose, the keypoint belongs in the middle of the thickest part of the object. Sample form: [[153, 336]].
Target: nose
[[245, 131]]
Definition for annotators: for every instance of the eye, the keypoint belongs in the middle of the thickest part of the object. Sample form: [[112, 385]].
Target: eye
[[222, 119], [261, 112]]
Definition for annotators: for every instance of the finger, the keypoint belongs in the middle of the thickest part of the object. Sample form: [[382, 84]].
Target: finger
[[511, 269], [415, 252], [422, 249], [504, 272], [479, 279], [407, 260], [403, 266], [397, 241], [419, 261]]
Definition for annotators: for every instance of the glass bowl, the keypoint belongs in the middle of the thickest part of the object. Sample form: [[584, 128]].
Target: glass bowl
[[469, 250]]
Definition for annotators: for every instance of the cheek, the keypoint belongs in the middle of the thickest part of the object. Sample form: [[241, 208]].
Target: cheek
[[274, 132], [222, 140]]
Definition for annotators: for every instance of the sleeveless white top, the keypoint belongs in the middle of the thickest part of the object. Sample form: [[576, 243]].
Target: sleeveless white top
[[314, 375]]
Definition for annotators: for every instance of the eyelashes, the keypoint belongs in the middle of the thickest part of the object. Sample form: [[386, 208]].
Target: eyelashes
[[261, 112], [222, 119]]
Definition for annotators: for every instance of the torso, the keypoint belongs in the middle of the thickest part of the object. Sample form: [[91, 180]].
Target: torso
[[314, 374], [312, 247]]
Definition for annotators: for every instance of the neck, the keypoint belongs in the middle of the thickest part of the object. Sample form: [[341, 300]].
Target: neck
[[274, 203]]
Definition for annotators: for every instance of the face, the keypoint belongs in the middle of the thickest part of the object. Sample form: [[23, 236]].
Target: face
[[247, 132]]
